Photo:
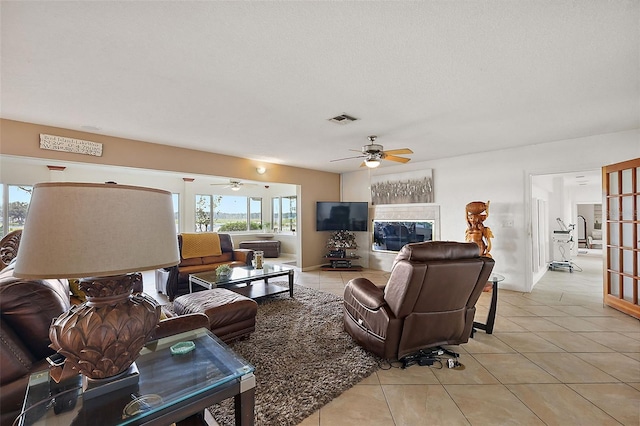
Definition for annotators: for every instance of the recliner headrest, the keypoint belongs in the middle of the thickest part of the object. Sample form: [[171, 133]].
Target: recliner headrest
[[437, 250]]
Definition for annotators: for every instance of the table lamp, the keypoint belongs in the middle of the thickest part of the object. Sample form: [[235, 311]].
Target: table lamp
[[99, 233]]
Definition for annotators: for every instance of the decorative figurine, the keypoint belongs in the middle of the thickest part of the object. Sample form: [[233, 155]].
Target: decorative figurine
[[476, 213]]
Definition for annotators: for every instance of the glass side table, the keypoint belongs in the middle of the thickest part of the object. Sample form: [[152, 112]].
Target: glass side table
[[494, 279], [170, 388]]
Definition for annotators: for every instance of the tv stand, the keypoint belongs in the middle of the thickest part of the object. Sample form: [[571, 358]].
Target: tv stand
[[341, 264]]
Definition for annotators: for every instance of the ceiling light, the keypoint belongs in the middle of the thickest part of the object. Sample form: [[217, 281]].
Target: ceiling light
[[235, 188], [372, 162], [261, 170]]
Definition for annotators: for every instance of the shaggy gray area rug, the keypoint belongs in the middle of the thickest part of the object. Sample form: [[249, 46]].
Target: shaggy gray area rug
[[303, 358]]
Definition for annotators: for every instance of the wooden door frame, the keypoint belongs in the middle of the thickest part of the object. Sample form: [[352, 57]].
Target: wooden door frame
[[619, 301]]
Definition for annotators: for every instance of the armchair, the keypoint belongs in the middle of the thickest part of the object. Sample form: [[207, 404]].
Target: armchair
[[428, 301]]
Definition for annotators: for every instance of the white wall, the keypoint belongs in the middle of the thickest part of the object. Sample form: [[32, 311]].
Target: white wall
[[503, 177]]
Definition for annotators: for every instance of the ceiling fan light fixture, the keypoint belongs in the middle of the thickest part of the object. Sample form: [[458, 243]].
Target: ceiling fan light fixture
[[372, 163], [235, 188]]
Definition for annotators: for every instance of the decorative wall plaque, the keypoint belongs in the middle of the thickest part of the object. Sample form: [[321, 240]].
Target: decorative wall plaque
[[403, 188], [76, 146]]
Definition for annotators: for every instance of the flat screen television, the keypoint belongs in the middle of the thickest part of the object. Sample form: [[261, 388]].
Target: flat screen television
[[392, 235], [337, 216]]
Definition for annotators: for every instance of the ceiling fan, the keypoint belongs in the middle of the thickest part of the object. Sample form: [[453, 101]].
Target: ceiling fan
[[374, 153], [235, 185]]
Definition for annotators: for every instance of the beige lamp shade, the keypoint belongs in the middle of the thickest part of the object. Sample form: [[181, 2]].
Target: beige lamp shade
[[77, 230]]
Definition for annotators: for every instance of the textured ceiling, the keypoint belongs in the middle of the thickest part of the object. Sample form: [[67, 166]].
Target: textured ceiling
[[260, 79]]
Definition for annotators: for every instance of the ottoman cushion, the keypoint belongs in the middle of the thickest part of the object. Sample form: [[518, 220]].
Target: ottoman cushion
[[231, 315]]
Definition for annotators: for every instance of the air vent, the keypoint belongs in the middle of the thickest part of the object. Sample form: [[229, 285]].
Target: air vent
[[342, 119]]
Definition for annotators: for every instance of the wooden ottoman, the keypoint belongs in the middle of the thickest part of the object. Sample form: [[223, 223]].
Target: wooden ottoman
[[231, 315], [271, 248]]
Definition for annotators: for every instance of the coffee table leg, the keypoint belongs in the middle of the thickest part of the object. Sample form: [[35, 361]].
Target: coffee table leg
[[244, 404], [290, 283]]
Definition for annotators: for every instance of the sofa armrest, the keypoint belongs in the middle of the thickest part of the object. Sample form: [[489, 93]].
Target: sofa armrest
[[243, 255], [365, 293], [179, 324]]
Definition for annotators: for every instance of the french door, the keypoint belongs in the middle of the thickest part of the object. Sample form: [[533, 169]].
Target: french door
[[621, 185]]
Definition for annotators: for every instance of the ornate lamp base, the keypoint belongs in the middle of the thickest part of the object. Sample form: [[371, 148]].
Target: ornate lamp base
[[102, 337]]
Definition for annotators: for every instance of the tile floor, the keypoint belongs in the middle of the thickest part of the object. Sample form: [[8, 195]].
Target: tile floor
[[557, 357]]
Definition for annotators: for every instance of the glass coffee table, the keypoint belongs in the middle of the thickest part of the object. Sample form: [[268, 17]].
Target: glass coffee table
[[171, 387], [247, 280]]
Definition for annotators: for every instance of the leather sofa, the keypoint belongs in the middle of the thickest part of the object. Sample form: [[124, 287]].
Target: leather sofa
[[177, 282], [27, 308], [428, 301]]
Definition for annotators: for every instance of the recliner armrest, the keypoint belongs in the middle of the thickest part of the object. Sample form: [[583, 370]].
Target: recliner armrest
[[366, 293]]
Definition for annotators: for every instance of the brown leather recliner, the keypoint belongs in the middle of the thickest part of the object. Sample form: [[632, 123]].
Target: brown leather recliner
[[27, 308], [428, 301]]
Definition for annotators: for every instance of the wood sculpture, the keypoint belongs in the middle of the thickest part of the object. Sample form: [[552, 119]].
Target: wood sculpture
[[476, 213]]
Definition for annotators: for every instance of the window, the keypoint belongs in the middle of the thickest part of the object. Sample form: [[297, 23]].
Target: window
[[255, 213], [275, 213], [284, 214], [231, 214], [228, 213], [204, 213], [14, 211], [176, 210]]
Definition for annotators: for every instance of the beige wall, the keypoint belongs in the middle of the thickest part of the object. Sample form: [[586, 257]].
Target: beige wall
[[23, 139]]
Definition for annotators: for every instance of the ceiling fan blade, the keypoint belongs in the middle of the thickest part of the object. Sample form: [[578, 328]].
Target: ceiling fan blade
[[347, 158], [398, 159], [399, 151]]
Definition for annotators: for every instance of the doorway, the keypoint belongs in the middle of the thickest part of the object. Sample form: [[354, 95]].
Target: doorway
[[559, 202]]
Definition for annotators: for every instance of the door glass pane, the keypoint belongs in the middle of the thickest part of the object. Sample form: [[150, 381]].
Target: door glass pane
[[627, 288], [626, 181], [614, 234], [627, 261], [627, 235], [614, 258], [614, 209], [613, 183], [637, 178], [614, 282], [627, 208]]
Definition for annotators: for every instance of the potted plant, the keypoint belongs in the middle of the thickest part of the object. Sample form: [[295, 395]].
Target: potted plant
[[341, 241], [223, 271]]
